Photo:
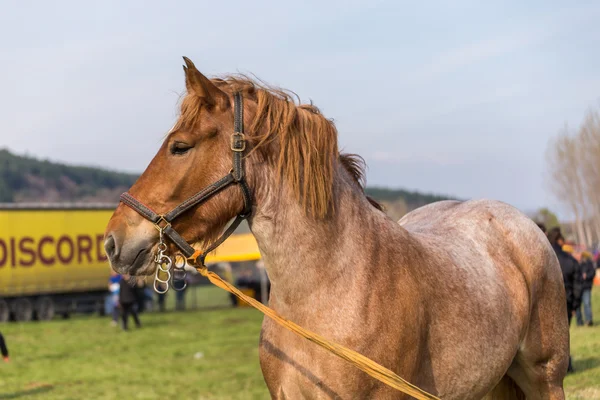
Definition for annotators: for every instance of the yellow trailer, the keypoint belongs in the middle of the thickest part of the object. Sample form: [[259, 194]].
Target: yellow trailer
[[237, 247], [52, 259]]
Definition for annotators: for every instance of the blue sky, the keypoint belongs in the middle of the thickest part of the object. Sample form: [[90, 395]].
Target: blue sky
[[456, 97]]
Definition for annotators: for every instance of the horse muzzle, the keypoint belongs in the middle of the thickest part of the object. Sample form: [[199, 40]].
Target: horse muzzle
[[130, 255]]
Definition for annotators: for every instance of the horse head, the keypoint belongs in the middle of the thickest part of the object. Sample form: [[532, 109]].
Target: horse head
[[195, 154]]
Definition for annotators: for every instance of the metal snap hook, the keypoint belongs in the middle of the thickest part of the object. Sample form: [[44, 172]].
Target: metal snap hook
[[158, 290], [179, 272], [180, 289], [180, 261], [164, 263]]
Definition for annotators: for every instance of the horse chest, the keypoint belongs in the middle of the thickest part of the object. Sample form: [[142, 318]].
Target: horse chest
[[295, 368]]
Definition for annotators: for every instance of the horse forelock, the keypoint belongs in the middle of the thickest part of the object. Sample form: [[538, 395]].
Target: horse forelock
[[296, 139]]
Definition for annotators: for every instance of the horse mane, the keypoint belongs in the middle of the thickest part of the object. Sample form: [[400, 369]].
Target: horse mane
[[355, 166], [307, 141]]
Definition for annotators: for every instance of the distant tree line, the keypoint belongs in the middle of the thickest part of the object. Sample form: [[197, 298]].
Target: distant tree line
[[413, 199], [573, 163], [23, 177], [20, 173]]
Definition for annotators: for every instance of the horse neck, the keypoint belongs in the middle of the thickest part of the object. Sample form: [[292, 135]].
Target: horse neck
[[301, 253]]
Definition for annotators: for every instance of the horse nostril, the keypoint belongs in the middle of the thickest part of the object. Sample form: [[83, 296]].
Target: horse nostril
[[110, 247]]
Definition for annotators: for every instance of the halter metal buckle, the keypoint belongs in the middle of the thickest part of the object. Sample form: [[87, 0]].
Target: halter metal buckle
[[162, 219], [238, 142]]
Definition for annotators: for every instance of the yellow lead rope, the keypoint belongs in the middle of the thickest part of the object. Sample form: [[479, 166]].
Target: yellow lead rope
[[363, 363]]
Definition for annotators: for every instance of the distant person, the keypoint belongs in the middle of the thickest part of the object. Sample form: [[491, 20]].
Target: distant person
[[113, 299], [128, 301], [181, 286], [264, 283], [161, 297], [249, 280], [571, 274], [3, 349], [148, 297], [542, 227], [141, 290], [225, 272], [588, 273]]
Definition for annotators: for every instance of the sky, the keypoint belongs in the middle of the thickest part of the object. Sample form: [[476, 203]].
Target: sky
[[453, 97]]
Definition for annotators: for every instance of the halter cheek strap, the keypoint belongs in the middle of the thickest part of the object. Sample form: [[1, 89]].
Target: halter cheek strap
[[162, 222]]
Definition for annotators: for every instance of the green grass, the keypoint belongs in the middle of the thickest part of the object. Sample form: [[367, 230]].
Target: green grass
[[584, 384], [206, 296], [86, 358]]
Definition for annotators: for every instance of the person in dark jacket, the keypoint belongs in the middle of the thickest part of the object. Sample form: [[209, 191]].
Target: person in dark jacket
[[4, 349], [588, 273], [181, 287], [570, 270], [573, 281], [128, 300], [571, 275], [140, 295]]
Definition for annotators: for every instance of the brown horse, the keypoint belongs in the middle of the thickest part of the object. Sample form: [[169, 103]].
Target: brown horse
[[464, 299]]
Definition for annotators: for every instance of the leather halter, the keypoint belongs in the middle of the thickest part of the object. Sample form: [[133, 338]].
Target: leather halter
[[162, 222]]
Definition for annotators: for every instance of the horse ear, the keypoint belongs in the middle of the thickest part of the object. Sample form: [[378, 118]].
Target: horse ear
[[200, 86]]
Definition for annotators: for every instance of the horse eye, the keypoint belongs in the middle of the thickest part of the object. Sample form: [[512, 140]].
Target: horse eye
[[178, 148]]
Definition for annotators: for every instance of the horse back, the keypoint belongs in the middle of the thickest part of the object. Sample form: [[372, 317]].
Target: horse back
[[482, 236]]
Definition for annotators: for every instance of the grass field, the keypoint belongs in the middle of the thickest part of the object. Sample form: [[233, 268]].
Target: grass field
[[188, 355]]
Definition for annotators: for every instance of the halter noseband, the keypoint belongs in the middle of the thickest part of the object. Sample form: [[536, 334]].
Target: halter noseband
[[162, 222]]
